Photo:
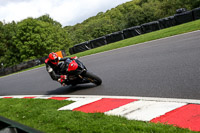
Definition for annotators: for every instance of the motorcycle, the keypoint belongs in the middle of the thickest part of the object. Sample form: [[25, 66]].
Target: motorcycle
[[78, 73]]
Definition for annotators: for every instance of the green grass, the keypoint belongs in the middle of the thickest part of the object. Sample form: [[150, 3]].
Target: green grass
[[43, 115], [24, 70], [184, 28]]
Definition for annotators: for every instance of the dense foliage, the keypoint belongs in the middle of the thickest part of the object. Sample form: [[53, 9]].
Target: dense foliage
[[35, 37], [133, 13], [31, 39]]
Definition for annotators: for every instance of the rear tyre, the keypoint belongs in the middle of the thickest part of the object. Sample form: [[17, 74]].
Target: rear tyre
[[93, 78]]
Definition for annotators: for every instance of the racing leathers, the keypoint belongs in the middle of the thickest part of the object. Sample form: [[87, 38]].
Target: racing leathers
[[56, 71]]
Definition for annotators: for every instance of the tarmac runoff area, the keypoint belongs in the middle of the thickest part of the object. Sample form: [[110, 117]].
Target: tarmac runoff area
[[184, 113]]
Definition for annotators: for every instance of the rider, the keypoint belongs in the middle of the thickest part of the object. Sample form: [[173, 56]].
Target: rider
[[53, 67]]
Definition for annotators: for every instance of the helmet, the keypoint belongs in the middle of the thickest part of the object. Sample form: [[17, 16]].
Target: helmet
[[53, 58]]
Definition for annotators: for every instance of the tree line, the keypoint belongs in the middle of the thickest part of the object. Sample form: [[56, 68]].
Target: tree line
[[33, 38]]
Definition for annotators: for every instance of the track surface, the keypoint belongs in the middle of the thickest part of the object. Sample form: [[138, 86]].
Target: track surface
[[167, 68]]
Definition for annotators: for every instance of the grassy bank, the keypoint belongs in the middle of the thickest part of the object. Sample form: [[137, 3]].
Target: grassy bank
[[184, 28], [180, 29], [43, 115]]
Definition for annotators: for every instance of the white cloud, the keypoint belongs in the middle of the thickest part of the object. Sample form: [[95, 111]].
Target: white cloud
[[67, 12]]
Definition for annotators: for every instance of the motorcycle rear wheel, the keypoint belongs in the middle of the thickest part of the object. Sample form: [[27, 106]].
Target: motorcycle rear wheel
[[93, 78]]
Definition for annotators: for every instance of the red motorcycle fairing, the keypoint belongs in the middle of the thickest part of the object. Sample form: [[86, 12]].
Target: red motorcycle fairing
[[72, 66], [78, 74]]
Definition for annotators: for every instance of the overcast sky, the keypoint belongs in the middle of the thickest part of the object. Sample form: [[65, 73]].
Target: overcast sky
[[67, 12]]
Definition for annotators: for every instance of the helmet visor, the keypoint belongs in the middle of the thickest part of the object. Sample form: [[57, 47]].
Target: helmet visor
[[55, 60]]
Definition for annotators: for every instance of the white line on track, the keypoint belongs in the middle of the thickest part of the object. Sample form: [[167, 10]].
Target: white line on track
[[114, 50], [146, 42], [189, 101]]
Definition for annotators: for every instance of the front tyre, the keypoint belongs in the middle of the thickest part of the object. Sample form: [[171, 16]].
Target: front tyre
[[93, 78]]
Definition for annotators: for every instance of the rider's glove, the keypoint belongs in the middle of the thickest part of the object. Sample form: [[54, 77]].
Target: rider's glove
[[63, 76], [62, 79]]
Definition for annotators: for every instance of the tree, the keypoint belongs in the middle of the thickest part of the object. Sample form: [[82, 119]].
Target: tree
[[33, 38], [36, 38], [2, 40], [48, 19], [10, 54]]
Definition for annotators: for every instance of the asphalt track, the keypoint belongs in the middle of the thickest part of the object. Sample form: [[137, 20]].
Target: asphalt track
[[167, 68]]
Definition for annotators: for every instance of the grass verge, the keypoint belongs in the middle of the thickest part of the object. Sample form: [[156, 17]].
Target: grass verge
[[184, 28], [43, 115], [24, 70], [180, 29]]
